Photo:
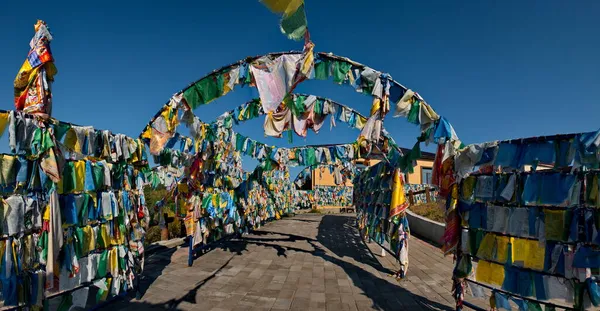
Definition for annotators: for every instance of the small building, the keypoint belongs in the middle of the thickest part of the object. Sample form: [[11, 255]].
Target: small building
[[322, 183], [423, 169]]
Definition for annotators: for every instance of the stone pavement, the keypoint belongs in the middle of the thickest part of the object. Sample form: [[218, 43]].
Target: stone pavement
[[307, 262]]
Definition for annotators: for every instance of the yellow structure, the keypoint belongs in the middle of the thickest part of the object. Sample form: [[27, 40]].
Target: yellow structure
[[422, 170], [321, 176]]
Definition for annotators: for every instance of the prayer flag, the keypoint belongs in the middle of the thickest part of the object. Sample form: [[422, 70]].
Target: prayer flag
[[398, 204], [32, 83], [293, 23]]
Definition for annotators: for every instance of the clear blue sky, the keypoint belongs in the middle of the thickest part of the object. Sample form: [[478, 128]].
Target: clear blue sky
[[495, 69]]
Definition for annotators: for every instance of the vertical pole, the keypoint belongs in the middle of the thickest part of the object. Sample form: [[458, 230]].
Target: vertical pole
[[191, 252], [312, 172]]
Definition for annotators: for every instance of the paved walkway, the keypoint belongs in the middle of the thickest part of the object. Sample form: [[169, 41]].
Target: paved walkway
[[307, 262]]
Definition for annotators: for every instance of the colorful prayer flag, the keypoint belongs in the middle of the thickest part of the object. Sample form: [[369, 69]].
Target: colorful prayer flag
[[32, 83]]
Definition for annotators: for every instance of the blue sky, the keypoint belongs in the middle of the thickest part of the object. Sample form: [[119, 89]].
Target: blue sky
[[495, 69]]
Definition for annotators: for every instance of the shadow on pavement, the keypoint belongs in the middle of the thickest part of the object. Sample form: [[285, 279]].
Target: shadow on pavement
[[173, 304], [154, 264], [337, 234]]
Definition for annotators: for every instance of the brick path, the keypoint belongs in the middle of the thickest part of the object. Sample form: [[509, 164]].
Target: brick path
[[307, 262]]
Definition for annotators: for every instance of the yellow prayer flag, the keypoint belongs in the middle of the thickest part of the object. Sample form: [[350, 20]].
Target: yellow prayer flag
[[375, 106], [520, 251], [79, 167], [46, 212], [113, 261], [468, 187], [535, 260], [487, 246], [89, 240], [147, 133], [497, 274], [502, 248], [71, 141], [398, 203], [286, 7], [482, 273], [360, 122], [103, 236], [489, 272], [3, 122]]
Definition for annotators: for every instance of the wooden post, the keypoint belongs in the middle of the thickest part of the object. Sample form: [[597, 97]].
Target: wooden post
[[191, 251], [164, 227], [411, 198], [427, 195]]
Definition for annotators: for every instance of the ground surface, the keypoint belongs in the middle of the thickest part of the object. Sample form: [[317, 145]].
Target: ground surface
[[306, 262]]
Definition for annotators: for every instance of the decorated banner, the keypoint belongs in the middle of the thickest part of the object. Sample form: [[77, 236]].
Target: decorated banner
[[33, 82]]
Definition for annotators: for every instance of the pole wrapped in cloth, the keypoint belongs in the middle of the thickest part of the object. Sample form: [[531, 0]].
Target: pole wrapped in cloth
[[32, 83]]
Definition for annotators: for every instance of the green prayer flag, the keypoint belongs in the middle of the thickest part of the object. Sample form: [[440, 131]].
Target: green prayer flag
[[253, 109], [102, 294], [322, 70], [43, 244], [268, 165], [311, 158], [533, 306], [47, 141], [297, 105], [228, 122], [83, 211], [248, 79], [415, 153], [102, 263], [318, 107], [79, 242], [295, 24], [60, 130], [239, 142], [210, 88], [122, 263], [340, 70], [65, 303], [98, 175], [69, 178], [413, 114], [36, 141], [118, 171], [154, 180], [192, 97], [206, 201]]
